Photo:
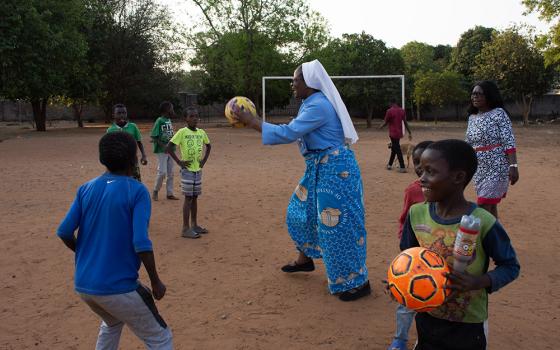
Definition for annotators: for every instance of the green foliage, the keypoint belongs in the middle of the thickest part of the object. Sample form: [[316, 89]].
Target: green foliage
[[41, 46], [439, 88], [442, 57], [517, 65], [132, 53], [87, 51], [418, 57], [362, 54], [229, 71], [243, 40], [549, 10], [469, 46]]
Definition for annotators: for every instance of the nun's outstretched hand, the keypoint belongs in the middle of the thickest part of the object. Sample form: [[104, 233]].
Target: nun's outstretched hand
[[246, 117]]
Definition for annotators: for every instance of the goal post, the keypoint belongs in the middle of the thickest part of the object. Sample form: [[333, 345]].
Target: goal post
[[265, 78]]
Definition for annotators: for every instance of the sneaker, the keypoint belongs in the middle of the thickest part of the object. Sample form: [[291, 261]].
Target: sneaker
[[155, 196], [356, 293], [199, 229], [189, 233], [402, 170], [389, 167], [172, 197]]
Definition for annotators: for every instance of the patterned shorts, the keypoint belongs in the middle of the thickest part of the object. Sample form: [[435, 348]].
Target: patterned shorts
[[191, 182]]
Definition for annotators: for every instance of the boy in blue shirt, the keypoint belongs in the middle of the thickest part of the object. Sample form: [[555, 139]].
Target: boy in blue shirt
[[461, 322], [112, 213]]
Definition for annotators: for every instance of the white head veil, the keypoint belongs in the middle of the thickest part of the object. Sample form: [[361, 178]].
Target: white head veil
[[316, 77]]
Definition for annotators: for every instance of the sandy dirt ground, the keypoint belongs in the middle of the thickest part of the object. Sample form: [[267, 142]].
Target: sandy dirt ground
[[225, 290]]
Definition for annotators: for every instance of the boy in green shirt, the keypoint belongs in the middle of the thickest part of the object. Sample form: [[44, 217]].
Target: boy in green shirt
[[191, 141], [121, 123], [162, 132]]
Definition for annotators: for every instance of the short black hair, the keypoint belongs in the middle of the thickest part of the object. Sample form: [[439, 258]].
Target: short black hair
[[117, 151], [189, 110], [165, 106], [118, 105], [422, 145], [458, 154]]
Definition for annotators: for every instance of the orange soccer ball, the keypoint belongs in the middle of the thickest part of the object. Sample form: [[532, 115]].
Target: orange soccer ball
[[244, 104], [415, 279]]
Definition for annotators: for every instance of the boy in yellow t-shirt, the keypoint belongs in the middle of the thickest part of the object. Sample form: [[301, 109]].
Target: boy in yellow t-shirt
[[191, 141]]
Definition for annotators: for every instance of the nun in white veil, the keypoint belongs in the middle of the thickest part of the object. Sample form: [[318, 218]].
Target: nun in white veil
[[325, 216]]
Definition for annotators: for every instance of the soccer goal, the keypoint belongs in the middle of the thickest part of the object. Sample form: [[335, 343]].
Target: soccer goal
[[265, 78]]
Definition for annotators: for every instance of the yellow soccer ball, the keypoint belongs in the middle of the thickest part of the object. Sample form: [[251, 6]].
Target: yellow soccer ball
[[244, 104]]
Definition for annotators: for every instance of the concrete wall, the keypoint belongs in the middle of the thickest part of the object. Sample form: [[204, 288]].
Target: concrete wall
[[21, 111], [544, 107]]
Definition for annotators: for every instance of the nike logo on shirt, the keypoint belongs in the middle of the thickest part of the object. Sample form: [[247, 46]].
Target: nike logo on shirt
[[109, 181]]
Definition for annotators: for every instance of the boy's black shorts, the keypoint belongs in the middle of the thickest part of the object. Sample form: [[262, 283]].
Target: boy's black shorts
[[438, 334]]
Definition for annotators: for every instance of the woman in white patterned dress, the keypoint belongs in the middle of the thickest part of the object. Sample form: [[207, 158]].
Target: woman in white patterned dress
[[490, 133]]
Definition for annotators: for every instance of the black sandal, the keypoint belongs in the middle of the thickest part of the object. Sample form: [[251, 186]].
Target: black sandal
[[356, 293], [295, 267]]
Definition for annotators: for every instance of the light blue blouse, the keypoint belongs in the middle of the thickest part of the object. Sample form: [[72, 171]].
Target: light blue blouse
[[316, 127]]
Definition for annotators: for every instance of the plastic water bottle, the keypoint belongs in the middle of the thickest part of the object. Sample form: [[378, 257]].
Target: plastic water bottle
[[465, 242]]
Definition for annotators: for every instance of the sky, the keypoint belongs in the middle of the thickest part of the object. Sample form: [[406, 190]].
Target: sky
[[397, 22]]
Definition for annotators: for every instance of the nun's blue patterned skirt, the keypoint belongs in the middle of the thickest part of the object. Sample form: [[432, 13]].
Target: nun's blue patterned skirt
[[326, 217]]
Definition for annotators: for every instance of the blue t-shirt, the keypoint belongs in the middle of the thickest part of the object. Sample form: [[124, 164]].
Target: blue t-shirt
[[112, 213], [316, 126]]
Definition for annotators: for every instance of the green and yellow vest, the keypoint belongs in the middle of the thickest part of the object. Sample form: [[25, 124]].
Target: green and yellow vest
[[471, 306]]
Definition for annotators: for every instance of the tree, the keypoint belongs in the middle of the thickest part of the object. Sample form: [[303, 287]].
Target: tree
[[253, 38], [438, 89], [442, 57], [549, 10], [41, 48], [226, 73], [362, 54], [418, 57], [138, 50], [517, 65], [463, 56]]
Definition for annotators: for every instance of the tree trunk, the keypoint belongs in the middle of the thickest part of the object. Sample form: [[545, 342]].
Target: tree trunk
[[78, 109], [369, 116], [417, 111], [39, 106], [527, 102], [525, 106]]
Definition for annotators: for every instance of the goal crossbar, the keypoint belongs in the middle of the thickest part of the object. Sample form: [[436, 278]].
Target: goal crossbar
[[265, 78]]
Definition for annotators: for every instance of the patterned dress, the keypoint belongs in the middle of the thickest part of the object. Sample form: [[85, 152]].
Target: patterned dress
[[490, 134], [326, 217]]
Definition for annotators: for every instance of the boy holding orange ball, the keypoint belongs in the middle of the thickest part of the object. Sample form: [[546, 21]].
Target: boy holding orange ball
[[447, 167]]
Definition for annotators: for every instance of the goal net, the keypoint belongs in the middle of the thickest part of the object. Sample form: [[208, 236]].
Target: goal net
[[348, 93]]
